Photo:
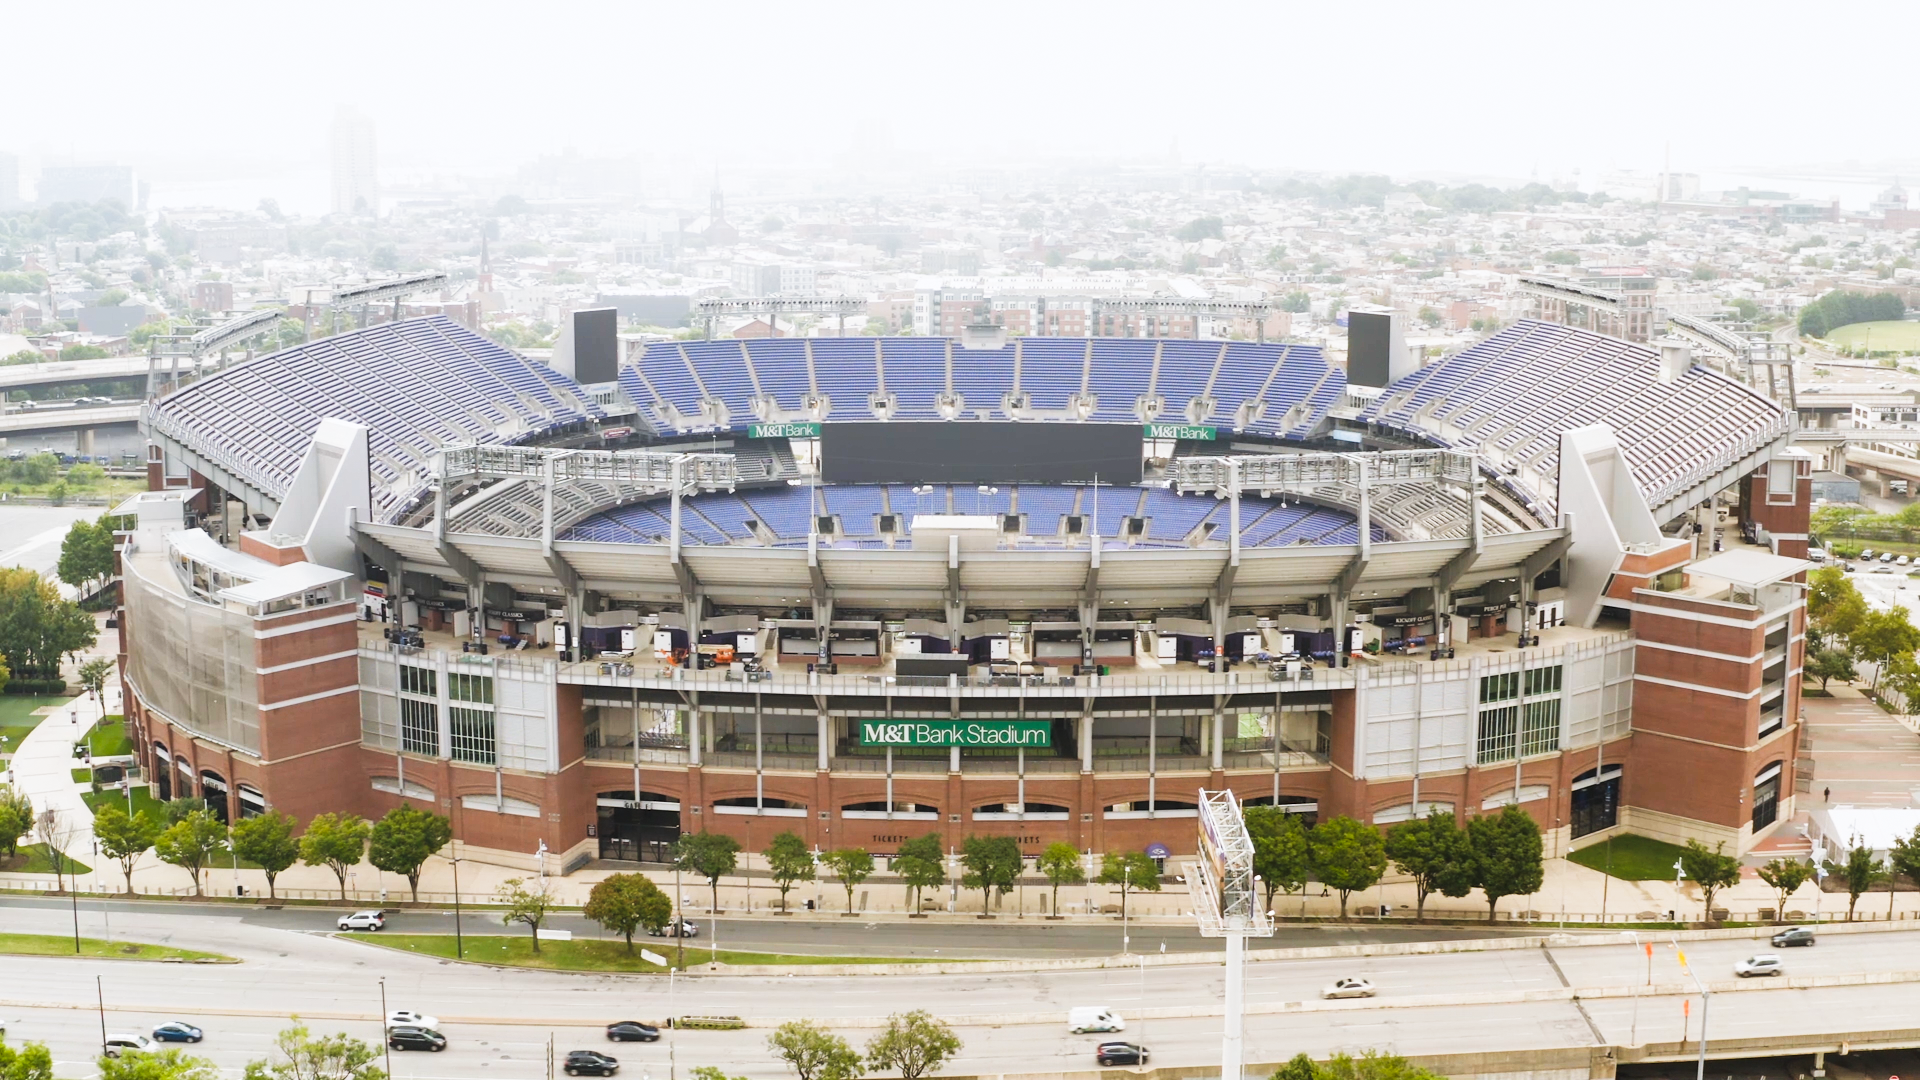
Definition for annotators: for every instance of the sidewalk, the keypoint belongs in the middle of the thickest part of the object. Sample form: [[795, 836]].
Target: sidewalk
[[43, 771]]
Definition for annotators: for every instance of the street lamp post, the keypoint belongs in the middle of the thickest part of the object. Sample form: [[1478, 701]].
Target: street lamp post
[[459, 944], [1706, 1001], [385, 1042], [1126, 882]]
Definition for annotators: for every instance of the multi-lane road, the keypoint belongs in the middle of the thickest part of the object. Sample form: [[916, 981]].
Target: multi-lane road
[[499, 1021]]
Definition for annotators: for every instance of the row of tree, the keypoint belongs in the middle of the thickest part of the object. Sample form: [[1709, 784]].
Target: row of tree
[[1842, 629], [1858, 870], [1842, 308], [38, 630], [191, 838], [1499, 854]]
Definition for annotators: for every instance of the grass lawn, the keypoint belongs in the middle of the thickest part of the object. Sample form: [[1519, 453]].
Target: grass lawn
[[109, 738], [33, 859], [1635, 858], [55, 945], [591, 954], [1900, 336], [142, 801], [81, 776], [16, 716]]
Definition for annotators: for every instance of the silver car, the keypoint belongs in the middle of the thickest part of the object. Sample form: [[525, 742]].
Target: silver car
[[1348, 988]]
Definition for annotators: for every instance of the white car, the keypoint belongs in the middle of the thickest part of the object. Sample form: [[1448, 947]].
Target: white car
[[121, 1043], [362, 920], [1348, 988], [409, 1018], [1761, 964]]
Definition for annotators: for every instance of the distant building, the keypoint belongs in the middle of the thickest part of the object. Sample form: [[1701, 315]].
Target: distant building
[[356, 173], [758, 329], [213, 295], [1894, 199], [88, 184]]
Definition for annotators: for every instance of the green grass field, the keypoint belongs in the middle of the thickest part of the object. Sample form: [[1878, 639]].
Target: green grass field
[[109, 737], [1878, 336], [1635, 858], [55, 945], [142, 802], [17, 719], [33, 859], [590, 954]]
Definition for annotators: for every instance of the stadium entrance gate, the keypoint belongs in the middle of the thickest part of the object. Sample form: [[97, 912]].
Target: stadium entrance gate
[[638, 830]]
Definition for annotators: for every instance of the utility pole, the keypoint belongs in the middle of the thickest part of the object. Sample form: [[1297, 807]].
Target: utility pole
[[386, 1041]]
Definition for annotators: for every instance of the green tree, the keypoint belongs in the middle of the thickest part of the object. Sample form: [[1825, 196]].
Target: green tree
[[1282, 858], [1506, 855], [300, 1056], [266, 840], [852, 866], [713, 1072], [914, 1043], [335, 841], [1296, 301], [1061, 863], [31, 1062], [37, 627], [788, 863], [1784, 876], [1130, 870], [921, 865], [1903, 861], [93, 674], [1299, 1067], [190, 843], [124, 837], [1832, 664], [624, 903], [1348, 856], [520, 904], [710, 855], [1372, 1065], [813, 1052], [1899, 678], [403, 841], [171, 1064], [1433, 851], [992, 863], [1711, 870], [1858, 870], [86, 554], [16, 819], [1201, 228], [1883, 635]]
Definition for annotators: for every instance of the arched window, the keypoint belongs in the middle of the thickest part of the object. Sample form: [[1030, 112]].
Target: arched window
[[1766, 796], [252, 802], [213, 788], [1596, 800]]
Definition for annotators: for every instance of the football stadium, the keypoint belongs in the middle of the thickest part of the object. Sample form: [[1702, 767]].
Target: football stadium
[[865, 589]]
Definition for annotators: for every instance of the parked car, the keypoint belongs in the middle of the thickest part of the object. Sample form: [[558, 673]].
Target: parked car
[[1901, 561], [632, 1031], [121, 1043], [1120, 1053], [591, 1063], [178, 1031], [409, 1018], [1795, 935], [1886, 556], [685, 928], [1883, 568], [413, 1037], [362, 920], [1348, 988], [1760, 964], [1094, 1018], [1866, 554]]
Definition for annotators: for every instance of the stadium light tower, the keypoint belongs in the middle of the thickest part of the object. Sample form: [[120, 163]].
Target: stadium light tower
[[1226, 901]]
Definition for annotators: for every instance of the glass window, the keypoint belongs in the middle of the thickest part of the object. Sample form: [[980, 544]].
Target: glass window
[[1596, 800], [474, 688], [1540, 726], [471, 733], [418, 680], [419, 727], [1544, 680], [1766, 796], [1497, 734], [1499, 687]]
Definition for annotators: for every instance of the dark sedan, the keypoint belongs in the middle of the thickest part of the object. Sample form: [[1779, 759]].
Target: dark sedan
[[632, 1031], [591, 1063], [176, 1031], [1121, 1053]]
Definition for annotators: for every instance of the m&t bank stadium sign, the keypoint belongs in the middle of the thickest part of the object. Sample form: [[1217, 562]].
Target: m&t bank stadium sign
[[1198, 432], [1016, 733], [783, 431]]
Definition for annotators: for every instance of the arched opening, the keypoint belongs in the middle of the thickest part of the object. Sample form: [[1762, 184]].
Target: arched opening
[[213, 788], [1766, 796], [252, 802], [637, 829], [162, 772], [1596, 800], [901, 811], [1013, 811]]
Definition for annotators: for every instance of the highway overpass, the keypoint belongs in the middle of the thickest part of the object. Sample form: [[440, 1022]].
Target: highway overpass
[[68, 372]]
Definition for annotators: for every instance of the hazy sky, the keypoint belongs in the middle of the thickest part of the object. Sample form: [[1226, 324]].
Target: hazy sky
[[1482, 89]]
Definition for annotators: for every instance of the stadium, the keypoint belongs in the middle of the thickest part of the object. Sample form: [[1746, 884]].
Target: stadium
[[864, 589]]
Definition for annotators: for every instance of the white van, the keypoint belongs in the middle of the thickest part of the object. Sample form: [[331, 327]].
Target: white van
[[1094, 1018]]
